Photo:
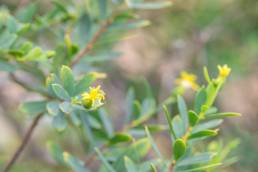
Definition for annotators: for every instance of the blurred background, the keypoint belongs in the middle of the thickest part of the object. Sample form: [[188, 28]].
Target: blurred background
[[187, 36]]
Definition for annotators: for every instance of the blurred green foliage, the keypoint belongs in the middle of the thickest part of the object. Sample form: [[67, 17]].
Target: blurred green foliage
[[45, 40]]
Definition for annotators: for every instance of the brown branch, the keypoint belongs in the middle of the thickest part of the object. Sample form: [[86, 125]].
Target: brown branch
[[17, 81], [23, 144], [94, 39], [28, 87]]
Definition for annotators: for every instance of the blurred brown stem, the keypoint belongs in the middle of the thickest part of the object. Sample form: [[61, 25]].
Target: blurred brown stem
[[93, 40], [28, 87], [23, 144], [17, 81]]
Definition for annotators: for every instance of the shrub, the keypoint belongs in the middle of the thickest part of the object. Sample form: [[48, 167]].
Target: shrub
[[81, 35]]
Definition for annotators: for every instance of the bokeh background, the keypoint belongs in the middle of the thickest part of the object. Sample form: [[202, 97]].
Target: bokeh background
[[186, 36]]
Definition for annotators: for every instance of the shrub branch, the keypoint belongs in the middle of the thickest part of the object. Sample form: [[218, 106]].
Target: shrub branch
[[94, 39], [23, 144], [77, 58]]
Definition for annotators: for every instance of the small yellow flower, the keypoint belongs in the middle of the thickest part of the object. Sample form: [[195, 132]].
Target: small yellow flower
[[187, 80], [224, 71], [93, 98]]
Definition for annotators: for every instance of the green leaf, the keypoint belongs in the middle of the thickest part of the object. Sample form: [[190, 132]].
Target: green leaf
[[222, 115], [130, 165], [26, 46], [153, 168], [67, 79], [26, 14], [147, 110], [33, 55], [51, 79], [200, 100], [140, 130], [156, 128], [87, 130], [7, 67], [12, 25], [206, 75], [148, 107], [33, 107], [107, 124], [104, 160], [128, 26], [183, 111], [7, 39], [129, 102], [196, 159], [76, 164], [151, 140], [135, 151], [148, 5], [65, 107], [207, 125], [211, 110], [60, 92], [101, 57], [193, 118], [178, 126], [56, 152], [171, 129], [137, 108], [211, 92], [59, 122], [179, 148], [75, 119], [147, 88], [103, 8], [94, 123], [52, 108], [120, 138], [60, 7], [84, 28], [124, 16], [15, 53], [84, 83], [201, 168], [203, 133]]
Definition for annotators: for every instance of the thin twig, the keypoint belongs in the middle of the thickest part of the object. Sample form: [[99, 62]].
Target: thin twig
[[28, 87], [17, 81], [23, 144], [93, 40]]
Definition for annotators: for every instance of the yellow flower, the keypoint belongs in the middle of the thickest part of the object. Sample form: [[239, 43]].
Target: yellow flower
[[94, 98], [224, 71], [187, 80]]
